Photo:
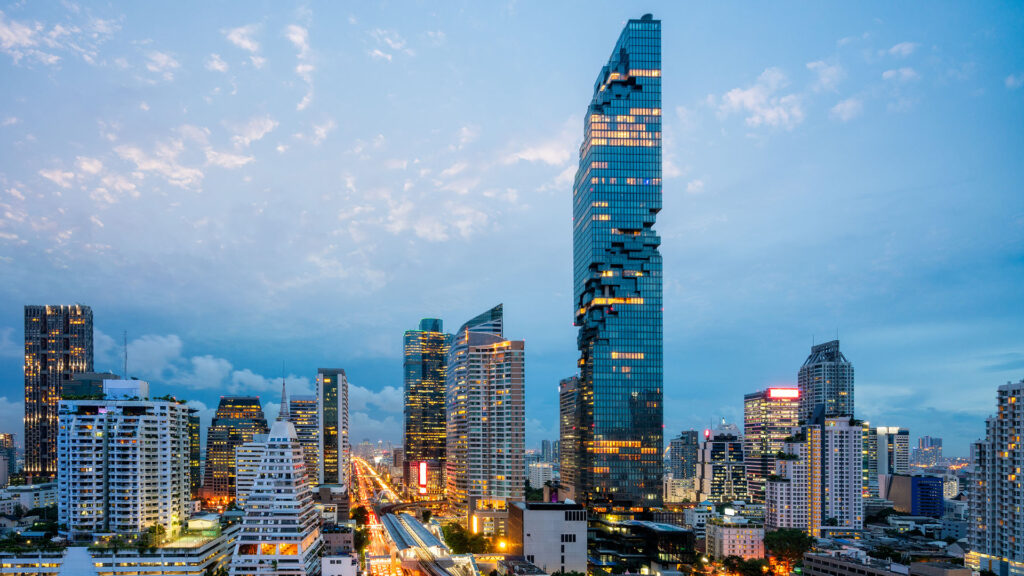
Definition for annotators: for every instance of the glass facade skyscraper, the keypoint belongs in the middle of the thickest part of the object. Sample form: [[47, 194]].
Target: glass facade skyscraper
[[617, 277], [826, 382], [332, 418], [237, 420], [426, 361]]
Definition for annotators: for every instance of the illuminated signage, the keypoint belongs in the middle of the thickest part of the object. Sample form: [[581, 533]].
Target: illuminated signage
[[783, 393]]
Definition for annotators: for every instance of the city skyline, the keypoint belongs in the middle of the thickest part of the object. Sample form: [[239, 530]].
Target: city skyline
[[918, 272]]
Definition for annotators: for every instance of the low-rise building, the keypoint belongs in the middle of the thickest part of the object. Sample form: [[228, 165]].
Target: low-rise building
[[697, 517], [341, 565], [552, 536], [734, 536], [30, 496], [640, 546]]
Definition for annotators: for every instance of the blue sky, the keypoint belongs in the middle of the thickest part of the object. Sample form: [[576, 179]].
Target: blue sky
[[241, 185]]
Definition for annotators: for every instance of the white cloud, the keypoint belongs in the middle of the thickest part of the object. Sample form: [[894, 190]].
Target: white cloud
[[388, 399], [243, 37], [847, 109], [905, 74], [903, 49], [89, 165], [19, 40], [468, 134], [144, 106], [216, 64], [164, 161], [436, 36], [226, 159], [163, 64], [58, 177], [253, 130], [10, 121], [694, 186], [829, 75], [299, 37], [320, 131], [555, 151], [1014, 81], [762, 104], [455, 169], [392, 40], [375, 53]]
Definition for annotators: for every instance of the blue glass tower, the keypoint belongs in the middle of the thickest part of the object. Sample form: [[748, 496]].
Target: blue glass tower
[[617, 278]]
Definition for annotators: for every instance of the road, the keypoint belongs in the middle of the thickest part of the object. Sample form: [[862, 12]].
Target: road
[[368, 484]]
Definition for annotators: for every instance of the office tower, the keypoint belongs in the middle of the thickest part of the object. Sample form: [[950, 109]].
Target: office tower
[[826, 381], [556, 451], [928, 451], [545, 451], [58, 345], [123, 462], [893, 450], [9, 453], [280, 532], [426, 369], [302, 410], [817, 482], [996, 522], [237, 420], [720, 469], [195, 478], [248, 459], [332, 415], [486, 423], [769, 417], [569, 434], [869, 460], [682, 455], [617, 277]]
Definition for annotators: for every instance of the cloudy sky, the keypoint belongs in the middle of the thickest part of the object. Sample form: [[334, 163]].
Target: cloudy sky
[[246, 186]]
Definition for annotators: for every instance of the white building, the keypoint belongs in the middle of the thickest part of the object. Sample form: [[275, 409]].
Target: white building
[[678, 490], [796, 483], [721, 471], [996, 523], [248, 457], [281, 528], [841, 472], [123, 462], [540, 472], [697, 517], [552, 536], [343, 565], [734, 536], [29, 496], [893, 450]]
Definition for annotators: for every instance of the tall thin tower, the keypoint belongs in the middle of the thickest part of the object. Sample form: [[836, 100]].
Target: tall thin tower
[[617, 277], [425, 367]]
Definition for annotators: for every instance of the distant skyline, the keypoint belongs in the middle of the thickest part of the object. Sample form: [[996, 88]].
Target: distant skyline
[[243, 185]]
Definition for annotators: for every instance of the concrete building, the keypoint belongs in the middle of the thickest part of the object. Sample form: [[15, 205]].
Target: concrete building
[[123, 462], [549, 535], [996, 523], [335, 454], [916, 495], [696, 518], [721, 470], [893, 451], [769, 417], [248, 458], [31, 496], [304, 413], [539, 473], [679, 490], [826, 383], [682, 454], [734, 536]]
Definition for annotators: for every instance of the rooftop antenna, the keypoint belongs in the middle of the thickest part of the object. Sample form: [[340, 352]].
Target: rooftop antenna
[[125, 342]]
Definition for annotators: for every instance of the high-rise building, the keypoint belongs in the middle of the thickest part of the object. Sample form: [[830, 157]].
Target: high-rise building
[[302, 409], [996, 521], [817, 482], [893, 450], [486, 423], [569, 434], [248, 459], [426, 370], [869, 460], [123, 462], [237, 420], [617, 277], [280, 533], [9, 454], [682, 455], [826, 382], [332, 415], [195, 478], [721, 471], [58, 345], [545, 451], [769, 417], [928, 451]]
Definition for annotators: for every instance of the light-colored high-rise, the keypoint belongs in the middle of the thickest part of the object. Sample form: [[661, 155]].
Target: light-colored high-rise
[[486, 425], [248, 458], [58, 345], [826, 383], [996, 521], [123, 463], [869, 460], [769, 417], [332, 416], [280, 533], [721, 472], [893, 450]]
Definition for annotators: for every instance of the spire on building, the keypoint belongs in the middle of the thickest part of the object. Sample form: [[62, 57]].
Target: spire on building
[[282, 416]]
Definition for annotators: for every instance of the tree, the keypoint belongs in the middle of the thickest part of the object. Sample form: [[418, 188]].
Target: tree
[[788, 544], [462, 542], [360, 540], [360, 515]]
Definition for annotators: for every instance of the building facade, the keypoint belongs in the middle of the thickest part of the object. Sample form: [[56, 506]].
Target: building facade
[[195, 466], [869, 460], [9, 454], [303, 412], [826, 382], [734, 536], [58, 345], [569, 434], [237, 420], [721, 471], [332, 415], [996, 521], [682, 455], [123, 463], [893, 447], [769, 417], [552, 536], [426, 372], [248, 458], [486, 423], [617, 277]]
